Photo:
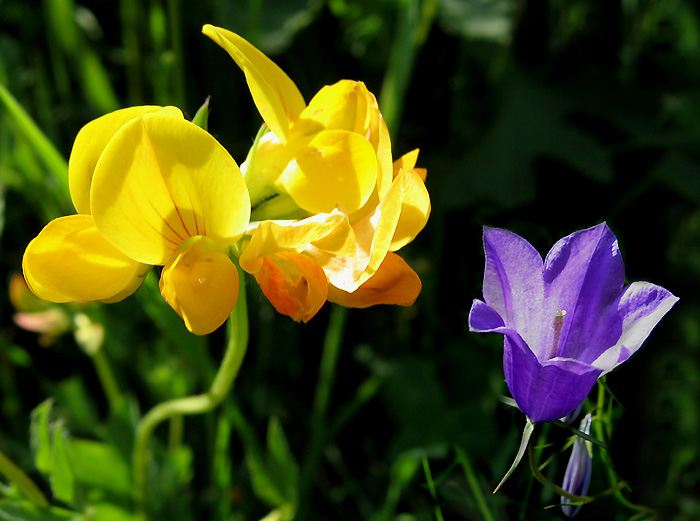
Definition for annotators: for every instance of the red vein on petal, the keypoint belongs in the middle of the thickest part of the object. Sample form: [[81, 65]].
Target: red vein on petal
[[167, 188], [167, 224], [194, 213]]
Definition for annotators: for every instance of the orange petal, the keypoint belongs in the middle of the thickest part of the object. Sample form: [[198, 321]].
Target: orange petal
[[393, 283], [295, 284], [201, 284]]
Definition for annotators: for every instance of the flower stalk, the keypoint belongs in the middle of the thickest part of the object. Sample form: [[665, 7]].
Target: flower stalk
[[198, 404]]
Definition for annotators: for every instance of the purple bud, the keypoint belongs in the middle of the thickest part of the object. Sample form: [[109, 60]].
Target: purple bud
[[578, 470]]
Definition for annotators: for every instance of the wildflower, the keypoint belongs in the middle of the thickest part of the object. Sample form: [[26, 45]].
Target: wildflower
[[567, 320], [325, 169], [578, 471], [151, 189]]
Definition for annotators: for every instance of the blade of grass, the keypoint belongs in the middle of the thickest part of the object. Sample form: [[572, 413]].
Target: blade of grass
[[48, 154]]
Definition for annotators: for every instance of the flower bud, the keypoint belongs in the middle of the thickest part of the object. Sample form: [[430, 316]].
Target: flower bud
[[578, 470]]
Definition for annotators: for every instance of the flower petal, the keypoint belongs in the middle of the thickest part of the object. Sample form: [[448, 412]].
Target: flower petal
[[295, 284], [345, 105], [337, 167], [201, 285], [271, 237], [640, 307], [89, 144], [544, 392], [393, 283], [70, 260], [583, 274], [513, 284], [483, 318], [395, 221], [275, 95], [162, 180], [415, 208]]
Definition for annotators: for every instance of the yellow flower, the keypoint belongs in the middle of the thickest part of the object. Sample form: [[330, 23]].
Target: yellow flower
[[340, 132], [355, 253], [151, 189], [329, 161]]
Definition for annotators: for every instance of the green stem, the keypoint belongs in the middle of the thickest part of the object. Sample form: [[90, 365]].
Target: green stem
[[414, 21], [329, 361], [473, 484], [198, 404], [106, 377], [175, 26], [24, 483], [615, 484], [431, 488]]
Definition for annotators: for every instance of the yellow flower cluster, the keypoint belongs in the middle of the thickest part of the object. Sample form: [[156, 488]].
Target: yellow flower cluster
[[315, 212]]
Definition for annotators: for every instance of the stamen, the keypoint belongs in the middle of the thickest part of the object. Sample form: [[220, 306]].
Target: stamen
[[557, 325]]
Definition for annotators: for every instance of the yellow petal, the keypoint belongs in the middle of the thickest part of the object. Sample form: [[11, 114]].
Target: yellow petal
[[89, 144], [201, 285], [345, 105], [294, 284], [337, 167], [271, 237], [415, 208], [408, 162], [381, 142], [70, 260], [277, 97], [394, 222], [393, 283], [163, 180]]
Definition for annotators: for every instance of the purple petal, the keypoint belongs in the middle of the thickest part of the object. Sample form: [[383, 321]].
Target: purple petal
[[513, 282], [483, 318], [583, 274], [640, 307], [544, 392]]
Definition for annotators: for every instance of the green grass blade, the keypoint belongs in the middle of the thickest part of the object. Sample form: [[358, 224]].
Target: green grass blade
[[48, 154]]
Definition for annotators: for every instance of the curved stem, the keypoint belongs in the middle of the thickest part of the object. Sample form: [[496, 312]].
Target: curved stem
[[198, 404], [23, 482]]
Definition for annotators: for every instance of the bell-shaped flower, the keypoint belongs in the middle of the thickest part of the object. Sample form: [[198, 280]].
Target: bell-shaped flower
[[577, 477], [567, 320], [161, 192]]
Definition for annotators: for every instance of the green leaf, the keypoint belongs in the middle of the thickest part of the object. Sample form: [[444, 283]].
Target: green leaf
[[97, 465], [201, 117], [62, 477], [489, 20], [110, 512], [527, 433], [40, 436], [275, 476], [282, 463], [24, 511]]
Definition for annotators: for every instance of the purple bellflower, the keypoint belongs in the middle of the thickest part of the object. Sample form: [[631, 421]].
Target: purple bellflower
[[567, 321], [578, 471]]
